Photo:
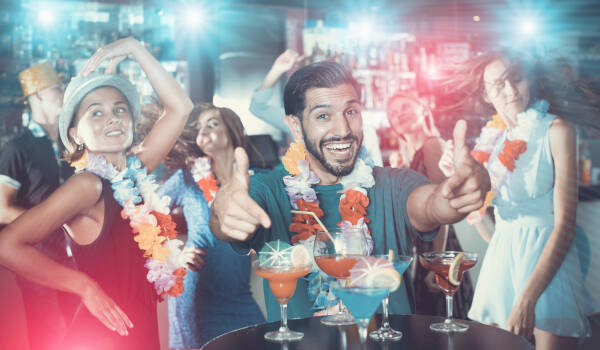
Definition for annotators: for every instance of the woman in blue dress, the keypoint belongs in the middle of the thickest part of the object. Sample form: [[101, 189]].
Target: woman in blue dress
[[530, 281], [217, 298]]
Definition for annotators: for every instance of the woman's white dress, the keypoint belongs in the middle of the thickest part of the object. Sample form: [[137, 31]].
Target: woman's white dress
[[524, 221]]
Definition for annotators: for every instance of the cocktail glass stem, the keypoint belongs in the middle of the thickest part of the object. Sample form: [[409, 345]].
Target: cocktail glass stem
[[362, 331], [283, 309], [342, 282], [449, 306], [385, 324]]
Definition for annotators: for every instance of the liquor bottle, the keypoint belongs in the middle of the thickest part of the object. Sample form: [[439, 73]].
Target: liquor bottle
[[373, 59], [585, 164]]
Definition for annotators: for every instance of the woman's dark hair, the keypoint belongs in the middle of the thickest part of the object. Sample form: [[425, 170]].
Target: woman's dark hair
[[185, 150], [550, 79], [316, 75]]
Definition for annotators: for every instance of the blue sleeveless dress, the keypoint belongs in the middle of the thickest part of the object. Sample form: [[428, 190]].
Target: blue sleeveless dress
[[217, 298], [524, 213]]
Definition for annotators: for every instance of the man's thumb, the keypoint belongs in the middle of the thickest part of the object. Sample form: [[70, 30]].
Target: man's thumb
[[459, 135], [241, 163]]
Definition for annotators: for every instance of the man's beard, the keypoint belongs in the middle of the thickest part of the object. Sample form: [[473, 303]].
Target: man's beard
[[317, 153]]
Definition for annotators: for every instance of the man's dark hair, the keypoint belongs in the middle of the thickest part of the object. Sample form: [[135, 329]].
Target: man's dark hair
[[316, 75]]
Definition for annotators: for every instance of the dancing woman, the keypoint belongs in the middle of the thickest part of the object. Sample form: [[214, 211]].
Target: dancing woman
[[217, 298], [113, 241], [530, 281]]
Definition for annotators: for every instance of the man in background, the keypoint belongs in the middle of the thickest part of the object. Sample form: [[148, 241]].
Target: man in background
[[30, 170]]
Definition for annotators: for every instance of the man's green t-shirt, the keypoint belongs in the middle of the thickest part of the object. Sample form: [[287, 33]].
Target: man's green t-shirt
[[390, 227]]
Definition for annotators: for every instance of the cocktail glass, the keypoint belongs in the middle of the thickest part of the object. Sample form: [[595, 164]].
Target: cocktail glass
[[336, 252], [440, 263], [282, 280], [386, 332], [362, 302]]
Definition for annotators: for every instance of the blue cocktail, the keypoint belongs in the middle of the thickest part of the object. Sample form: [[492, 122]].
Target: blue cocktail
[[362, 302], [385, 332]]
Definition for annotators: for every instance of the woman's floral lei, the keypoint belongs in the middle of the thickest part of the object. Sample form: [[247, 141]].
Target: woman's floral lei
[[353, 202], [204, 177], [514, 145], [149, 217]]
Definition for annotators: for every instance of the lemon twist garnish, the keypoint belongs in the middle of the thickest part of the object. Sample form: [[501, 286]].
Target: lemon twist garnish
[[299, 256], [455, 268], [383, 278]]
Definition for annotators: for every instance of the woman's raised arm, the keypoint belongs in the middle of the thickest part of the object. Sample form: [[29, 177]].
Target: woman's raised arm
[[177, 105]]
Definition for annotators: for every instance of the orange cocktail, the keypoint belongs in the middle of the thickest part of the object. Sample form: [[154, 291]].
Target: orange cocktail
[[282, 280], [336, 251], [282, 272], [337, 265]]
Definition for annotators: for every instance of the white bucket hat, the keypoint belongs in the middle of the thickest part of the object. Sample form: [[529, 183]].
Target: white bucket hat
[[79, 87]]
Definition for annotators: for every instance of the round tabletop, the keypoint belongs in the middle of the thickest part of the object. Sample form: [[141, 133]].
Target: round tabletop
[[417, 335]]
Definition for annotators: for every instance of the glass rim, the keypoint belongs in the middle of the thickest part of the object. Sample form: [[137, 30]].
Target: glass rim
[[360, 288], [449, 254], [256, 264], [339, 229], [397, 257]]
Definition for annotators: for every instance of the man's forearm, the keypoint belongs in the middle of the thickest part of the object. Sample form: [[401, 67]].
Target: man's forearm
[[439, 210], [9, 213], [428, 209]]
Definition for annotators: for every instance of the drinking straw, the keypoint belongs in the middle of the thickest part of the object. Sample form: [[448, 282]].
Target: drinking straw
[[316, 218]]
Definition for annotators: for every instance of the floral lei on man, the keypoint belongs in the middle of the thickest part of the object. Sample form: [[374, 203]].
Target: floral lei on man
[[204, 177], [149, 217], [353, 205], [514, 145]]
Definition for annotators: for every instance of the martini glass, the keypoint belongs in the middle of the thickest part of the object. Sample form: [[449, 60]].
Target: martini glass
[[386, 332], [336, 251], [362, 302], [282, 281], [441, 263]]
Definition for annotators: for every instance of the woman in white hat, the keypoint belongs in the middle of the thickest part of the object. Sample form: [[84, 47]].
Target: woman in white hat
[[119, 244]]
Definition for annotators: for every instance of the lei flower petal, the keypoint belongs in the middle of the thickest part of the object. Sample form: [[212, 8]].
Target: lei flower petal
[[147, 237], [202, 173], [511, 152], [176, 258], [177, 287], [300, 186], [209, 186], [514, 145], [360, 177], [161, 274], [166, 225], [152, 230], [81, 163], [353, 206], [496, 123], [481, 157], [295, 153]]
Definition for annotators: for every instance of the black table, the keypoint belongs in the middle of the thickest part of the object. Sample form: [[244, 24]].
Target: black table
[[417, 335]]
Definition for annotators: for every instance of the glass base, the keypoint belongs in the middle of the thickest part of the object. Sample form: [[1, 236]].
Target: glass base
[[341, 319], [283, 336], [386, 334], [449, 327]]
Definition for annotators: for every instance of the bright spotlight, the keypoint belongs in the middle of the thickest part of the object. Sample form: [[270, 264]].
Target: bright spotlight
[[366, 29], [46, 17], [194, 18], [528, 26]]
